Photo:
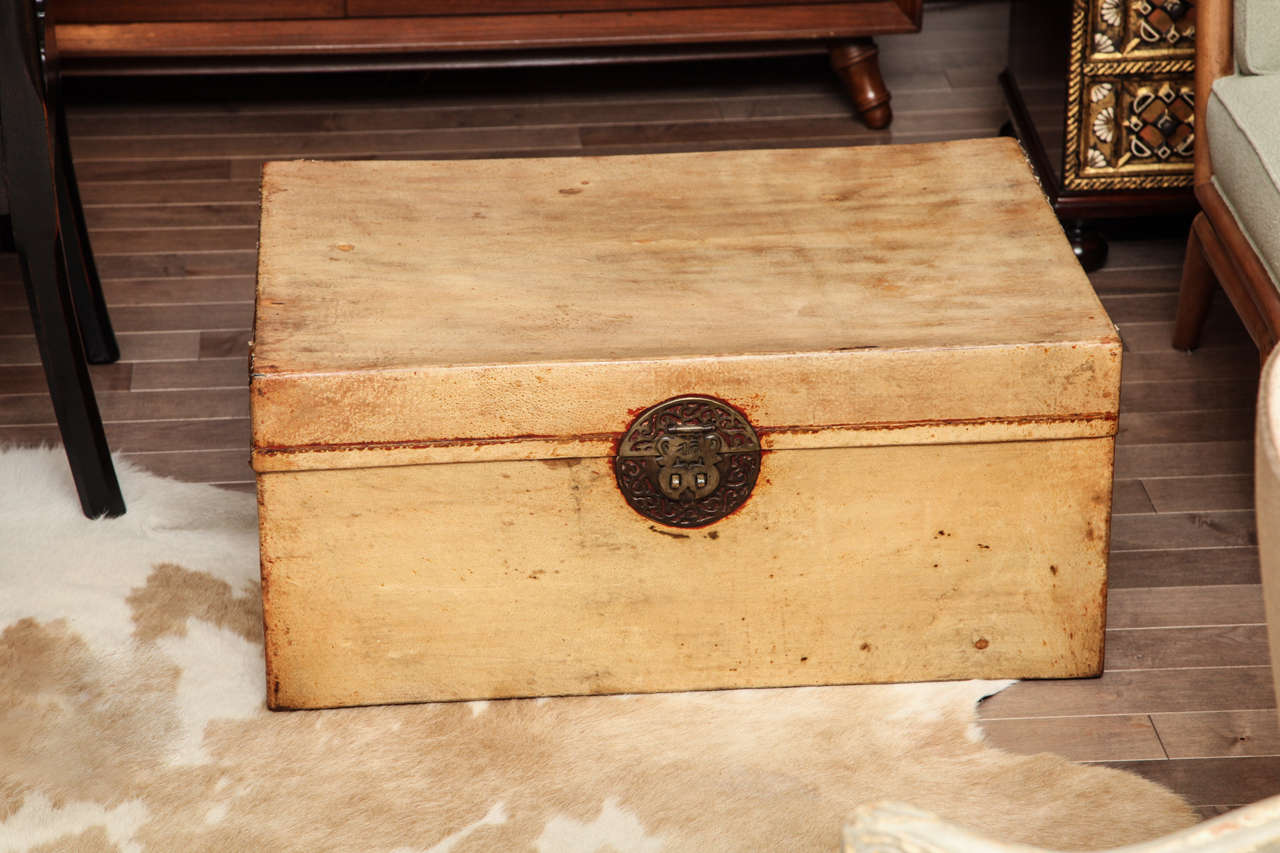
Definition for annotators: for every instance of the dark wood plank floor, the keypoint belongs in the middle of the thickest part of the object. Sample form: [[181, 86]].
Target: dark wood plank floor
[[169, 173]]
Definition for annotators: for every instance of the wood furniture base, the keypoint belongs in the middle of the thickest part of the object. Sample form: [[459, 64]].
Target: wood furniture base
[[221, 36]]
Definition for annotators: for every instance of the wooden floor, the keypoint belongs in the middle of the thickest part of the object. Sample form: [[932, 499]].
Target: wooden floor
[[169, 174]]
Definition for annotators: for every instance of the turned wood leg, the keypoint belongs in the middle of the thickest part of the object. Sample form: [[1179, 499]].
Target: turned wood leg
[[1087, 243], [858, 65], [1194, 293]]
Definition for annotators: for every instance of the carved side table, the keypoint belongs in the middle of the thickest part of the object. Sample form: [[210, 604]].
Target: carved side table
[[1101, 95]]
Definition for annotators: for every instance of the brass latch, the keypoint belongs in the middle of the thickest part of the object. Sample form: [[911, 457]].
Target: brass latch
[[688, 462]]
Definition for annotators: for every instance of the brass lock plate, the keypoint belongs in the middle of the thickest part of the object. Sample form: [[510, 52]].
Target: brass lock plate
[[688, 462]]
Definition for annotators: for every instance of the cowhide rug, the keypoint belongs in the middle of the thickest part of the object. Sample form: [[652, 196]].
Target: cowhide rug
[[132, 719]]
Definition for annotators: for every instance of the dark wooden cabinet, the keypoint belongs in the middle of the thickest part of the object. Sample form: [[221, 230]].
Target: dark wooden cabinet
[[163, 36], [128, 11], [382, 8], [1101, 95]]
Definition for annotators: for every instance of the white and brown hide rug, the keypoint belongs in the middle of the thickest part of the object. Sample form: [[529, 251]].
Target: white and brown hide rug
[[132, 718]]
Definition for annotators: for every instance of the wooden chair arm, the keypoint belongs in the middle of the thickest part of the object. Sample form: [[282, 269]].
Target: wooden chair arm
[[1214, 59]]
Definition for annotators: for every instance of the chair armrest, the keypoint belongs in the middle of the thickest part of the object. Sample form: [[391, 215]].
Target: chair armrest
[[1214, 59]]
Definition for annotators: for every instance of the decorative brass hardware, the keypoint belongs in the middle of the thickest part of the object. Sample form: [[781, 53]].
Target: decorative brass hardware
[[688, 462]]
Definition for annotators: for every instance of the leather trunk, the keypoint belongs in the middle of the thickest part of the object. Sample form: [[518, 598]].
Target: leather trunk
[[449, 356]]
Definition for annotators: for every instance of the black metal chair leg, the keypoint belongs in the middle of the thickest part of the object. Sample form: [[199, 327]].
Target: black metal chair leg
[[82, 273]]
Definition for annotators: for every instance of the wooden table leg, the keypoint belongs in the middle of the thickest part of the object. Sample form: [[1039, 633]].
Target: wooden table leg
[[857, 62]]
